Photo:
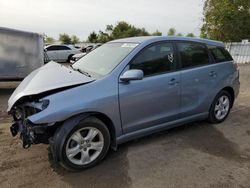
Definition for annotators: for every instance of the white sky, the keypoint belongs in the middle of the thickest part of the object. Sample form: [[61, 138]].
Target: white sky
[[80, 17]]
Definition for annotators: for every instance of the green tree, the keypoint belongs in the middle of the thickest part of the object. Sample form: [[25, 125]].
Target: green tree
[[74, 39], [103, 37], [65, 38], [92, 37], [172, 32], [48, 40], [109, 28], [179, 35], [120, 30], [190, 35], [123, 30], [157, 33], [142, 32], [226, 20]]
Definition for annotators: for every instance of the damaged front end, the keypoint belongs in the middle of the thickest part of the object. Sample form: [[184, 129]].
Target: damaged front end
[[28, 100], [29, 132]]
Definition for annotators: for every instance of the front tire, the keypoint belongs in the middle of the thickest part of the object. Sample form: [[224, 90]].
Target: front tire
[[85, 145], [220, 107]]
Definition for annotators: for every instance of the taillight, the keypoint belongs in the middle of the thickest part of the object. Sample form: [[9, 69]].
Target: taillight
[[236, 66]]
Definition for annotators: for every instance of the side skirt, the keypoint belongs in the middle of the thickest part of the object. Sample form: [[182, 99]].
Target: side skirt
[[160, 127]]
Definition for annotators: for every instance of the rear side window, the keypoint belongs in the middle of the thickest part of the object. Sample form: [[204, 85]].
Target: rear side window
[[64, 48], [57, 47], [155, 59], [52, 48], [192, 54], [220, 54]]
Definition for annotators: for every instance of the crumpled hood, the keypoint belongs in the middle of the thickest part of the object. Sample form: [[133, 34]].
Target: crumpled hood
[[49, 77]]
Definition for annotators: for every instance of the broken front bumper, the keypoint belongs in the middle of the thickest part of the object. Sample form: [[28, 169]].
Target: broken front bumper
[[30, 133], [26, 132]]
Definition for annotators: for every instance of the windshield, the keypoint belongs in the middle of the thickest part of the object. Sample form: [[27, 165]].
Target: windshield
[[104, 59]]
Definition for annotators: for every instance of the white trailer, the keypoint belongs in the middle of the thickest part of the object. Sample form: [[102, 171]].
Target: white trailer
[[20, 53]]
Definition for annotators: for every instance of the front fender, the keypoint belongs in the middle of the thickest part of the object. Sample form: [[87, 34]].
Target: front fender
[[99, 97], [56, 144]]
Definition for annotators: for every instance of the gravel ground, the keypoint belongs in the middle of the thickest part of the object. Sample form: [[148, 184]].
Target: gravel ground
[[194, 155]]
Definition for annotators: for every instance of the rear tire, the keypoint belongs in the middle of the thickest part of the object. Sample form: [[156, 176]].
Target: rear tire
[[85, 145], [68, 60], [220, 107]]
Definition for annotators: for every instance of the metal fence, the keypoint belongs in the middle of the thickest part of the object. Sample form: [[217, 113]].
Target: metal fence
[[240, 51]]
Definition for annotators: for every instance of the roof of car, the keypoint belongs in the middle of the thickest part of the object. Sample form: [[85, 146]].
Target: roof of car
[[68, 45], [159, 38]]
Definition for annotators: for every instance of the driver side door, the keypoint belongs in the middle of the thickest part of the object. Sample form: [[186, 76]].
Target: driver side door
[[156, 98]]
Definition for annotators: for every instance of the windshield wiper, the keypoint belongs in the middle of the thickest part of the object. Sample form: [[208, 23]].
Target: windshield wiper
[[81, 71], [84, 72]]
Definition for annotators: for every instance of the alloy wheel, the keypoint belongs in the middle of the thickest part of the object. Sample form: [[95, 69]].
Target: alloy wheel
[[222, 107], [84, 145]]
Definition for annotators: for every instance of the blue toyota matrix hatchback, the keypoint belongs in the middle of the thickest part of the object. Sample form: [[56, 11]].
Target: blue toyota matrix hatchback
[[123, 90]]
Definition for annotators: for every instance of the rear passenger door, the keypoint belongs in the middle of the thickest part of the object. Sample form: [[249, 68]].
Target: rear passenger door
[[198, 76], [63, 53]]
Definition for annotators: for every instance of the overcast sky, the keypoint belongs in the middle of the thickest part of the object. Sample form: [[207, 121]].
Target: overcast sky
[[80, 17]]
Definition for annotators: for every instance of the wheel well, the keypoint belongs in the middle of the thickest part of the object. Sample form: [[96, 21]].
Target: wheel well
[[102, 117], [231, 92], [70, 56], [107, 121]]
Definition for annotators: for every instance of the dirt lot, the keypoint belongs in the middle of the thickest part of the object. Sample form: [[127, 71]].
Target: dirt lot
[[195, 155]]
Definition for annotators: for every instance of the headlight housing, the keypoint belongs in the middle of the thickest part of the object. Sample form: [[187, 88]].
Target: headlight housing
[[39, 105], [45, 104]]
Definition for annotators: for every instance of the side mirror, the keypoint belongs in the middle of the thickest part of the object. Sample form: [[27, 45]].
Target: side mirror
[[133, 74]]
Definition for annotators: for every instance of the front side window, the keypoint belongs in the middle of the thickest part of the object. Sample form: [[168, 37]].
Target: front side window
[[104, 59], [219, 54], [192, 54], [155, 59]]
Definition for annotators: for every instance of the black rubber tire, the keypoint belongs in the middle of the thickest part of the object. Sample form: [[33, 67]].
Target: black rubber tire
[[68, 60], [212, 118], [88, 122]]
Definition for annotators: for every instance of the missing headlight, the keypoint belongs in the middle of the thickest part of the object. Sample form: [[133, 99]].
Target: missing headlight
[[45, 104], [40, 105], [18, 114], [24, 110]]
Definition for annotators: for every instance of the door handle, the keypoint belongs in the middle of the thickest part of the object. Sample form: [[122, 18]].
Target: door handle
[[213, 74], [173, 82], [21, 66]]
